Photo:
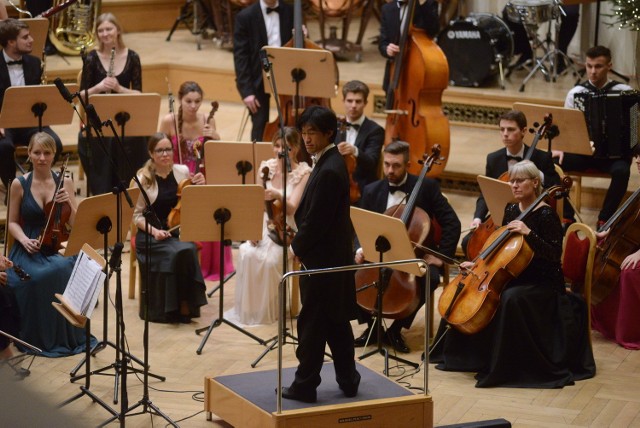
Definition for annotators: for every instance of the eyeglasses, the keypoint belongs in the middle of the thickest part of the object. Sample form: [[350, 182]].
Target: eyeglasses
[[163, 151], [518, 180]]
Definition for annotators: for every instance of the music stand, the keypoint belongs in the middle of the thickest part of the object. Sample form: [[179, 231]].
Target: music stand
[[42, 104], [497, 194], [219, 213], [137, 113], [39, 30], [386, 236], [229, 162]]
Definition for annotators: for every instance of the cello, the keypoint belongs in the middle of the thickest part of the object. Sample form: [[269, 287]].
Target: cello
[[414, 96], [402, 294], [470, 301], [623, 239]]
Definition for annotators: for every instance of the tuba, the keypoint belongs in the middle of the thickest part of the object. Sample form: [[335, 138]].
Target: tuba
[[74, 28]]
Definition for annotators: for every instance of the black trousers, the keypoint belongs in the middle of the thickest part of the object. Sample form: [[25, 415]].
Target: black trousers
[[260, 118]]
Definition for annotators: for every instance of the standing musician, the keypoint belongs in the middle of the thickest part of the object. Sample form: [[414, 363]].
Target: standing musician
[[31, 195], [110, 71], [17, 68], [617, 316], [266, 22], [513, 128], [175, 284], [9, 315], [538, 337], [598, 64], [193, 129], [393, 190], [324, 240], [392, 16], [260, 263], [363, 137]]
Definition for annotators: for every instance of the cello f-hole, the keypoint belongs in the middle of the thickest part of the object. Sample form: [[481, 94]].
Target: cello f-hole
[[414, 120]]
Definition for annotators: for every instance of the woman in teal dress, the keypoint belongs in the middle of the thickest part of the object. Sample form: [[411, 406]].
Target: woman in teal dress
[[40, 324]]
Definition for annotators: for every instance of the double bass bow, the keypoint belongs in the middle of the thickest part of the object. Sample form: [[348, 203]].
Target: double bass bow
[[470, 301], [414, 96], [402, 295]]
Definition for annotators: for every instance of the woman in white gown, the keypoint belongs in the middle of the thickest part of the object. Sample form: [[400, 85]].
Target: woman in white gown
[[259, 263]]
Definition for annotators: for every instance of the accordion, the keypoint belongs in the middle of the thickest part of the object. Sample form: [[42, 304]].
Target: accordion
[[612, 120]]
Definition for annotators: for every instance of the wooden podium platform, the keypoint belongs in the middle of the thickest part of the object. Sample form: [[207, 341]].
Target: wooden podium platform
[[249, 400]]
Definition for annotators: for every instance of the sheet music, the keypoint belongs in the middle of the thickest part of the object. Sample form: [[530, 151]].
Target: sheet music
[[84, 285]]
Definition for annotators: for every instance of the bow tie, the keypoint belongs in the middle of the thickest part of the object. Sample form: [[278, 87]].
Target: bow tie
[[354, 126], [273, 9], [16, 62], [401, 188], [515, 158]]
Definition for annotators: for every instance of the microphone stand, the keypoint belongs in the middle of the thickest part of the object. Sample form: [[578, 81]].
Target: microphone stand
[[267, 66]]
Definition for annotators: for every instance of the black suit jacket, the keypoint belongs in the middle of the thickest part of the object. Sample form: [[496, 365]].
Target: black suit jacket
[[369, 142], [430, 199], [425, 17], [324, 237], [249, 37], [497, 165], [32, 73]]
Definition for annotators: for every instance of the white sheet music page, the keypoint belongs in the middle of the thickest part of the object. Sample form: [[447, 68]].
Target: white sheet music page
[[84, 285]]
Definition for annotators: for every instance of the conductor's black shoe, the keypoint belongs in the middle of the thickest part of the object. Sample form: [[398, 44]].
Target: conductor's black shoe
[[361, 340], [394, 338], [290, 394]]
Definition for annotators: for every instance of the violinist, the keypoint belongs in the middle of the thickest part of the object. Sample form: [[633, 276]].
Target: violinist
[[538, 337], [617, 316], [9, 315], [395, 189], [175, 284], [363, 138], [260, 263], [513, 128], [32, 194], [193, 129], [392, 18]]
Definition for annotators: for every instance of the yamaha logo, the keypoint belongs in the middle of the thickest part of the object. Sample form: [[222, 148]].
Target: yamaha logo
[[451, 34]]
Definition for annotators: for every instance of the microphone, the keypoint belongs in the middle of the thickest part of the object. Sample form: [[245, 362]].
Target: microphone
[[92, 116], [264, 58], [68, 96]]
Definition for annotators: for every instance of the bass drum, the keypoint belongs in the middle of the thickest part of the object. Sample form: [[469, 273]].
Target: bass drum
[[475, 47]]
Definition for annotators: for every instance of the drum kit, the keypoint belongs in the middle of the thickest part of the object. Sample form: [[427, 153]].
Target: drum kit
[[481, 45]]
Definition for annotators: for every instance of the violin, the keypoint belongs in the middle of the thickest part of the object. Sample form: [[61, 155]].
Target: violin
[[470, 301], [622, 240], [482, 233], [22, 275], [214, 108], [279, 231], [351, 161], [57, 228], [402, 295], [173, 219]]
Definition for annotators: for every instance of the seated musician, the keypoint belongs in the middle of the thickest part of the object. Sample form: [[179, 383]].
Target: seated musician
[[175, 284], [538, 337], [260, 263], [395, 189], [9, 315], [363, 138], [41, 325], [513, 127], [21, 69], [188, 130], [598, 64], [617, 316], [392, 17]]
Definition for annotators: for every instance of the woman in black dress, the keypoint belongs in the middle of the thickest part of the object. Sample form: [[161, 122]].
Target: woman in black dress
[[539, 337]]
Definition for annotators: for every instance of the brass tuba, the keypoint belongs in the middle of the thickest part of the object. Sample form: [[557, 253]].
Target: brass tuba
[[74, 28]]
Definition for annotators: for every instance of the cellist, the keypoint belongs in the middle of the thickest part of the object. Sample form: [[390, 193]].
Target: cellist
[[513, 128], [392, 190], [617, 316], [538, 337]]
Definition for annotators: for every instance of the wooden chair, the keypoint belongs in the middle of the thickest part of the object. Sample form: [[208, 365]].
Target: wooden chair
[[578, 253]]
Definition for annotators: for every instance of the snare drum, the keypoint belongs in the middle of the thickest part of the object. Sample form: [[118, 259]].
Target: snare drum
[[531, 12], [474, 47]]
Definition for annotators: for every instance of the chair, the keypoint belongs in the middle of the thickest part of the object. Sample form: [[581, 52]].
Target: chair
[[578, 253]]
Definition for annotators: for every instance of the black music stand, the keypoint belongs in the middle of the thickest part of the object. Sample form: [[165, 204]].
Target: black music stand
[[387, 236], [37, 105], [219, 213]]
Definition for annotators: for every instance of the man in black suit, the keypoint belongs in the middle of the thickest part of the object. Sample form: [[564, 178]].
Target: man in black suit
[[17, 68], [395, 189], [266, 22], [323, 240], [363, 137], [513, 127], [392, 15]]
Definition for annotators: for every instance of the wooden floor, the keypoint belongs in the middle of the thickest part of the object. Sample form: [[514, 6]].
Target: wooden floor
[[609, 399]]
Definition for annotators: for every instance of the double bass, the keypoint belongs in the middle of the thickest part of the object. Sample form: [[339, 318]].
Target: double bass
[[414, 96], [402, 295]]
